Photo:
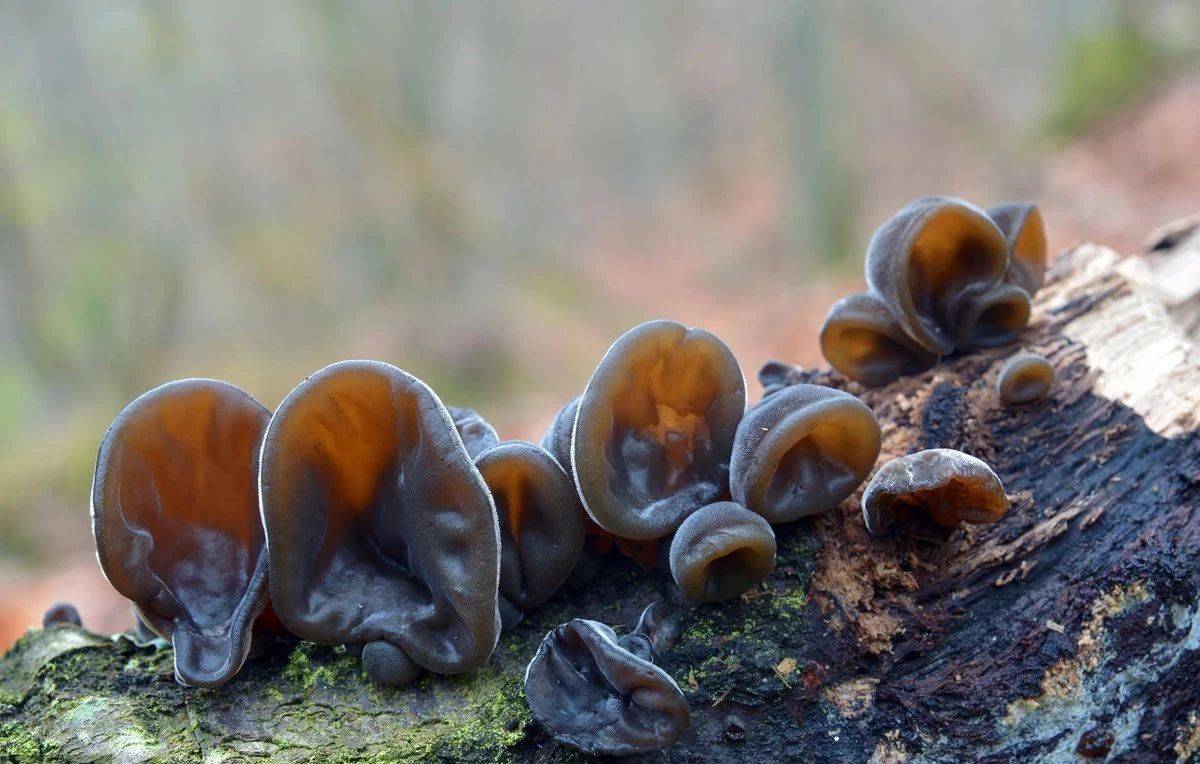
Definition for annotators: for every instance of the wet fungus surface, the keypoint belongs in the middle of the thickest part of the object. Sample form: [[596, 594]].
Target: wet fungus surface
[[946, 486], [801, 451], [541, 522], [655, 427], [1025, 377], [943, 276], [175, 519], [603, 694], [382, 533], [721, 551]]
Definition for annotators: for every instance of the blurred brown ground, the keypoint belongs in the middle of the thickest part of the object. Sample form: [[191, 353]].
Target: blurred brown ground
[[1127, 175]]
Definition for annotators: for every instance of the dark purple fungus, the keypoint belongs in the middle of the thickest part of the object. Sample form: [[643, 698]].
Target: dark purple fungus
[[947, 486], [476, 433], [1025, 232], [591, 692], [994, 318], [382, 534], [721, 551], [541, 522], [142, 633], [655, 428], [930, 261], [802, 451], [661, 623], [61, 614], [175, 518], [862, 340]]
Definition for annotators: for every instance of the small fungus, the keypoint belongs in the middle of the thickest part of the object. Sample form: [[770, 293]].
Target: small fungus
[[476, 433], [948, 486], [1025, 377], [721, 551], [589, 690], [1025, 232], [557, 440], [61, 614], [541, 523], [655, 428], [175, 518], [862, 340], [802, 451], [382, 533]]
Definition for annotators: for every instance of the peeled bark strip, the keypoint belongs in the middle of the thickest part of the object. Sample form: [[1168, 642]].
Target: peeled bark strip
[[1071, 625]]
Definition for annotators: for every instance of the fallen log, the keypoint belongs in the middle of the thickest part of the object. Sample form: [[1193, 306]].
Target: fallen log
[[1071, 627]]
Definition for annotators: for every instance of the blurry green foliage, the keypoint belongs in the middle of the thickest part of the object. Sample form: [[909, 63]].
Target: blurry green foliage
[[1100, 71]]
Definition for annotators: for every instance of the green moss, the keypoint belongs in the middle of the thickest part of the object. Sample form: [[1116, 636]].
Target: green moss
[[18, 744]]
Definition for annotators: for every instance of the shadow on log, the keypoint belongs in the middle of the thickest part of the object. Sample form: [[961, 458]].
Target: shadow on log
[[1071, 627]]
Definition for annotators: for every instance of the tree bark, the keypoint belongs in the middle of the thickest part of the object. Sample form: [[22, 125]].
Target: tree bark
[[1071, 627]]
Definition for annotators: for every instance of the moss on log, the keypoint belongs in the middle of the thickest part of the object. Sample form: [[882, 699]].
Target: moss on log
[[1071, 627]]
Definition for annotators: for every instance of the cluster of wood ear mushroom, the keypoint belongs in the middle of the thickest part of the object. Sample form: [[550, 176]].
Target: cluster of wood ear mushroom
[[363, 512]]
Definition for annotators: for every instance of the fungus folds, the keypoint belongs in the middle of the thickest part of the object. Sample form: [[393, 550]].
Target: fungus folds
[[382, 533], [654, 429], [175, 519], [601, 693], [943, 275], [947, 486]]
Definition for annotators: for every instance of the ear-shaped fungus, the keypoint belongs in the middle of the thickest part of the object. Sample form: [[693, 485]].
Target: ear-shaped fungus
[[557, 440], [655, 428], [947, 485], [175, 516], [862, 340], [1025, 377], [721, 551], [382, 533], [802, 451], [590, 691], [1025, 232], [541, 523], [61, 613], [930, 262], [477, 433]]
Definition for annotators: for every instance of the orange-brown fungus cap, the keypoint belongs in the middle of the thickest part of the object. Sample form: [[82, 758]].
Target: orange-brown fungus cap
[[1025, 377], [381, 531], [949, 486], [1025, 232], [541, 523], [175, 516], [862, 340], [655, 428], [802, 451], [721, 551], [927, 261]]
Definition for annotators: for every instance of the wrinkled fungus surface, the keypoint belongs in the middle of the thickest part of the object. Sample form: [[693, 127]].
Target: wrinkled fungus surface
[[721, 551], [477, 434], [802, 451], [655, 428], [946, 485], [944, 275], [382, 533], [61, 613], [175, 518], [862, 340], [1024, 378], [590, 691], [541, 523]]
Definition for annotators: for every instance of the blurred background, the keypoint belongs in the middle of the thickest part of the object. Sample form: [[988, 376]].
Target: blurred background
[[487, 195]]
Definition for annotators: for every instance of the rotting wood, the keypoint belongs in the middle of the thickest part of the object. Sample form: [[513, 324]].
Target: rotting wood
[[1071, 625]]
